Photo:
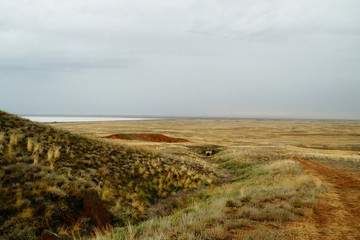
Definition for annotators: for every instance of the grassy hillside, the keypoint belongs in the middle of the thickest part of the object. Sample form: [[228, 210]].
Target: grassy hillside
[[268, 198], [58, 182]]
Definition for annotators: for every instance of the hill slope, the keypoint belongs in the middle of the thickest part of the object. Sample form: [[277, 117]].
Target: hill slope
[[67, 184]]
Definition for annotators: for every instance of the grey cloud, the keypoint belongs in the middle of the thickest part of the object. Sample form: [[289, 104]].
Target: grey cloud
[[192, 57], [59, 65]]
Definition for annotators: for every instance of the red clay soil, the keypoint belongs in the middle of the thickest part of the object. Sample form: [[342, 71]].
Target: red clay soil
[[147, 137], [338, 214]]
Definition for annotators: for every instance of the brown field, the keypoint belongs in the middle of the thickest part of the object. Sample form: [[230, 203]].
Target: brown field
[[336, 142], [283, 179]]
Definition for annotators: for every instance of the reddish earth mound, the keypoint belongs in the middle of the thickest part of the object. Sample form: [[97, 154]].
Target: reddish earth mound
[[147, 137]]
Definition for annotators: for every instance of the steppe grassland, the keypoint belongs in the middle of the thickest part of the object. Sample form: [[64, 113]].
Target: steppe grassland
[[334, 142], [267, 188]]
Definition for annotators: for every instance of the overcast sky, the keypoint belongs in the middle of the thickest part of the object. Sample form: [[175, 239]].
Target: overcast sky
[[224, 58]]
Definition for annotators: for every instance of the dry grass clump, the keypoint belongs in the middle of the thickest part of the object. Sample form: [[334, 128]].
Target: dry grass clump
[[2, 137], [36, 149], [52, 155], [15, 138], [30, 144], [264, 233], [26, 213]]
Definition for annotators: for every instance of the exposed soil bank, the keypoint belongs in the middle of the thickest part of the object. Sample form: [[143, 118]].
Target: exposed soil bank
[[147, 137]]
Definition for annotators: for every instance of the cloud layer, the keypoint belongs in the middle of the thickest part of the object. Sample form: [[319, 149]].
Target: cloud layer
[[181, 58]]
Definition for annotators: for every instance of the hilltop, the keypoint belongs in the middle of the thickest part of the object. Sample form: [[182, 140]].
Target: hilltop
[[53, 181]]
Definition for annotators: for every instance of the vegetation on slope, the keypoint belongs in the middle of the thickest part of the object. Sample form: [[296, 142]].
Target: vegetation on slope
[[267, 191], [47, 177]]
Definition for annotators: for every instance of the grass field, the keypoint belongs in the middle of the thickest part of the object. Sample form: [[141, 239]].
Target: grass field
[[220, 179], [264, 193], [336, 142]]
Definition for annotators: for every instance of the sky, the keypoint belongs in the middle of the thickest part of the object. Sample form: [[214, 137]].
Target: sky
[[189, 58]]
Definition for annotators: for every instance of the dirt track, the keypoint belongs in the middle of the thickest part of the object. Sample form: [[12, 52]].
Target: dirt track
[[338, 213]]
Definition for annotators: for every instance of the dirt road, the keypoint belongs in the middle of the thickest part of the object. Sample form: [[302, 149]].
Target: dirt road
[[338, 213]]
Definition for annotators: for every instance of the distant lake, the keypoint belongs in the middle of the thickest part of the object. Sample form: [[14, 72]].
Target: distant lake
[[80, 119]]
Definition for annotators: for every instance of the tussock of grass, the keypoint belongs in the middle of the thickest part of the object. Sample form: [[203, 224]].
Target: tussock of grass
[[264, 233], [2, 137]]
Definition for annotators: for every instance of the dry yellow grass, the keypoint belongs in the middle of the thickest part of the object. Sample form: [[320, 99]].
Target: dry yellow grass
[[52, 168], [26, 213], [269, 195], [269, 186], [260, 191], [326, 140]]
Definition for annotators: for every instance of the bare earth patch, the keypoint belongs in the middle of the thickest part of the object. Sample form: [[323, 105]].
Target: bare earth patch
[[146, 137], [338, 214]]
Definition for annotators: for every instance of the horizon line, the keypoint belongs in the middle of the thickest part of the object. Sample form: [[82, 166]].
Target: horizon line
[[270, 117]]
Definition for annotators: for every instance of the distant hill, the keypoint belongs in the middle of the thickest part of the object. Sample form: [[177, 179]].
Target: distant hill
[[52, 181]]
